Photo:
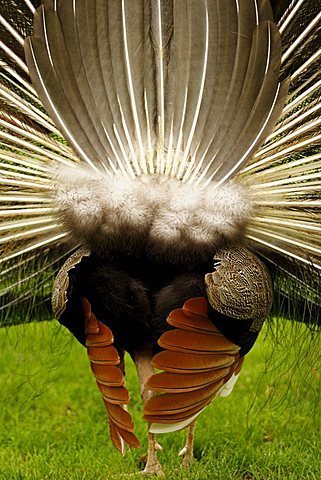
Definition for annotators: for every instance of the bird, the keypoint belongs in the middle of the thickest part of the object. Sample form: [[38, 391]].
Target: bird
[[160, 188]]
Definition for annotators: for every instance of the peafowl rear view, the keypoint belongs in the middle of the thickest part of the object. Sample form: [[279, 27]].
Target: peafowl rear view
[[133, 172]]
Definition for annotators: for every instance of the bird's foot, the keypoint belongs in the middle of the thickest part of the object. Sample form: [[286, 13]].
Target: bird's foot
[[188, 457], [153, 468]]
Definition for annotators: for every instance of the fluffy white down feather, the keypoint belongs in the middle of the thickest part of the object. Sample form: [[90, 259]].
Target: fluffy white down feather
[[99, 210]]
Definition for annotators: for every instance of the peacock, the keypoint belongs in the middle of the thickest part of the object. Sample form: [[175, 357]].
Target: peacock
[[160, 188]]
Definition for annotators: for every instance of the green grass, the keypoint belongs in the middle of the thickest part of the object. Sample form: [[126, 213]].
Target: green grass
[[53, 424]]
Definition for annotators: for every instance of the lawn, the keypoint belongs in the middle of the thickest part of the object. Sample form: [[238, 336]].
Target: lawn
[[53, 424]]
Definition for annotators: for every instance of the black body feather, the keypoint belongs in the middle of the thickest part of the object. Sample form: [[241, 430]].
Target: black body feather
[[133, 298]]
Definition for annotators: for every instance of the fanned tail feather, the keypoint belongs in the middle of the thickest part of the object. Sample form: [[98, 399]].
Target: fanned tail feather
[[30, 143], [112, 82], [283, 177], [115, 128]]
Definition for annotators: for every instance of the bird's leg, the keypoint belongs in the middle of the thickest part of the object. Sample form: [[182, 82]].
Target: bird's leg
[[152, 467], [144, 371], [187, 451]]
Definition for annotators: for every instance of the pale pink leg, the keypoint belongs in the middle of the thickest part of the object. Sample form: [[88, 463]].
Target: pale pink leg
[[187, 451], [144, 371], [153, 467]]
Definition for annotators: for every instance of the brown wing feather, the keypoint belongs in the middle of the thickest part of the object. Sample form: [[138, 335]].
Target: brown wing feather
[[196, 306], [111, 376], [116, 394], [120, 417], [103, 355], [200, 343], [184, 318], [129, 437], [104, 360], [115, 436], [170, 403], [183, 415], [102, 338], [176, 382], [181, 362], [197, 362]]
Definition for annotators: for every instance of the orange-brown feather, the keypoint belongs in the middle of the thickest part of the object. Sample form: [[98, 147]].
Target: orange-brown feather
[[185, 320], [111, 376], [102, 338], [120, 417], [117, 395], [105, 361], [115, 436], [103, 355], [169, 403], [181, 362], [129, 437], [200, 343], [178, 416], [175, 382], [196, 306], [197, 361]]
